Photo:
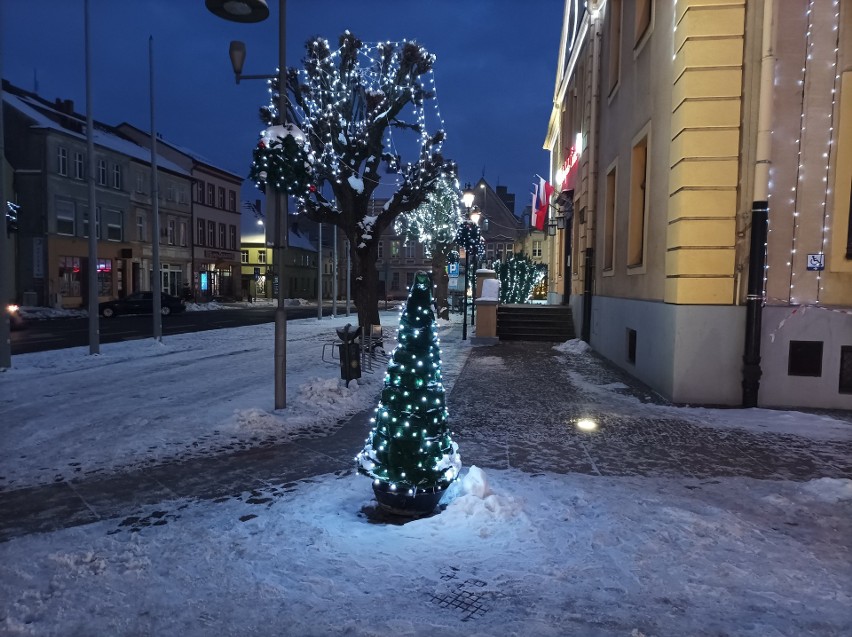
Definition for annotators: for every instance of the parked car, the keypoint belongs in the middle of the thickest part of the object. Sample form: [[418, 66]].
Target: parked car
[[141, 303], [16, 320]]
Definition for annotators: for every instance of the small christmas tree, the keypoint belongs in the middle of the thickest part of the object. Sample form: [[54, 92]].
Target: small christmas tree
[[518, 276], [409, 453]]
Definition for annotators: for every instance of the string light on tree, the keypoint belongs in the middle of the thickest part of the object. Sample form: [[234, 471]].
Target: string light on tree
[[518, 277], [433, 225], [410, 454], [356, 109]]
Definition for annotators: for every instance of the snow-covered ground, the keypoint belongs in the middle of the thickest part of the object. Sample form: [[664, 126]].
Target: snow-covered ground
[[512, 553]]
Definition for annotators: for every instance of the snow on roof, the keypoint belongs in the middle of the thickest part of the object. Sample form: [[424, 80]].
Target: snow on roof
[[298, 240], [32, 109], [201, 159]]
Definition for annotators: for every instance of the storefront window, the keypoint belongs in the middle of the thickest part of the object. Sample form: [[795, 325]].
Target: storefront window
[[69, 276], [104, 277]]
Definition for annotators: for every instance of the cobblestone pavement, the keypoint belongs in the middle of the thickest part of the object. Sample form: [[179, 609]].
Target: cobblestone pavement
[[516, 405], [513, 405]]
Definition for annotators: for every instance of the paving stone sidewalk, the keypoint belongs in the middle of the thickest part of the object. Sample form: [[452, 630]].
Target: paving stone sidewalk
[[514, 405]]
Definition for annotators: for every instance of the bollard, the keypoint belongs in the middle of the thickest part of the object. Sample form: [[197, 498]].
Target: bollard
[[350, 353]]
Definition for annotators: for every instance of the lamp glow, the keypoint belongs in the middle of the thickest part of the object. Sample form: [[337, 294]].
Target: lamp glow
[[586, 424]]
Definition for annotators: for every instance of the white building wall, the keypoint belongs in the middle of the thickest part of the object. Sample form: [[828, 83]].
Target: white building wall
[[804, 323], [687, 353]]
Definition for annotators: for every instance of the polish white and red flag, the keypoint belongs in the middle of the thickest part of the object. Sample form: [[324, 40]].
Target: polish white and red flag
[[540, 202]]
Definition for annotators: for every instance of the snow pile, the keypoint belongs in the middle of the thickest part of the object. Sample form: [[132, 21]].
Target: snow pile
[[490, 290], [574, 346], [189, 395], [831, 490], [584, 555]]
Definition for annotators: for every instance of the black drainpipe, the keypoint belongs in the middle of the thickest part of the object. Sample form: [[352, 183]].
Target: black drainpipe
[[587, 294], [754, 303]]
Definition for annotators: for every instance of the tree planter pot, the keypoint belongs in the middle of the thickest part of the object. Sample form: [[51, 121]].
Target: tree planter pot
[[400, 503]]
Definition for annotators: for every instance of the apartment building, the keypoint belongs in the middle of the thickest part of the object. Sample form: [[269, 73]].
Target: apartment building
[[47, 149], [214, 225]]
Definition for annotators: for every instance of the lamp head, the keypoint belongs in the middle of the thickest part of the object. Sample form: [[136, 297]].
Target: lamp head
[[475, 215], [239, 10], [237, 52], [468, 196]]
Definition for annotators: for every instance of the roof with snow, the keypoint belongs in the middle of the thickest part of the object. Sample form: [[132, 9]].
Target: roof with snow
[[183, 150], [42, 114]]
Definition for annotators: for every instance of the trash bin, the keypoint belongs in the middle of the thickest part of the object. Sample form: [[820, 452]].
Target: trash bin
[[350, 353]]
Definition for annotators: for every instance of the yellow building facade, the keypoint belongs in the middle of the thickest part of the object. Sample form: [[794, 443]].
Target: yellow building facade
[[675, 118]]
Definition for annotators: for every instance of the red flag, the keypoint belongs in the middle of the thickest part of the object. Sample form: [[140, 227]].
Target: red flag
[[541, 202]]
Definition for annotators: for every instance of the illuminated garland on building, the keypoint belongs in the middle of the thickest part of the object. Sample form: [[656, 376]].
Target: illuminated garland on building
[[410, 448]]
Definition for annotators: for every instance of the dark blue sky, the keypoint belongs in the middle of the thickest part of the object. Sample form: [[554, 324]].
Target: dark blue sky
[[494, 74]]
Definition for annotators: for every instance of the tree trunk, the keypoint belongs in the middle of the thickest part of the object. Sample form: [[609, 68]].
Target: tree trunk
[[365, 286], [441, 281]]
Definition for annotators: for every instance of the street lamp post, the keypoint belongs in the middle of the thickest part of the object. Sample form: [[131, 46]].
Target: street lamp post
[[257, 11], [467, 199]]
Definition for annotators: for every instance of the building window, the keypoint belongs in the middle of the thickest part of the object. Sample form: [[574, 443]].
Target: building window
[[140, 181], [199, 192], [232, 200], [104, 277], [182, 233], [614, 43], [171, 235], [409, 279], [170, 192], [102, 172], [79, 169], [211, 234], [69, 276], [261, 256], [805, 358], [232, 237], [116, 176], [221, 197], [510, 250], [498, 251], [845, 380], [182, 196], [211, 194], [643, 19], [62, 161], [65, 221], [409, 250], [609, 220], [631, 346], [536, 249], [200, 232], [394, 249], [140, 227], [114, 225], [638, 204], [395, 281], [97, 223], [222, 243], [244, 256], [381, 249]]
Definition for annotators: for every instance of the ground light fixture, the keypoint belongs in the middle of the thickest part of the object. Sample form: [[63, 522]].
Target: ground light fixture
[[586, 424]]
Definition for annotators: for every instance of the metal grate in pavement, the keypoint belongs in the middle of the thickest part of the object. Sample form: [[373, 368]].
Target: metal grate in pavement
[[465, 597]]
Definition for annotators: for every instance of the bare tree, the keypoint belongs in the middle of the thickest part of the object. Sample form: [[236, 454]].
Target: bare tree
[[354, 109]]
